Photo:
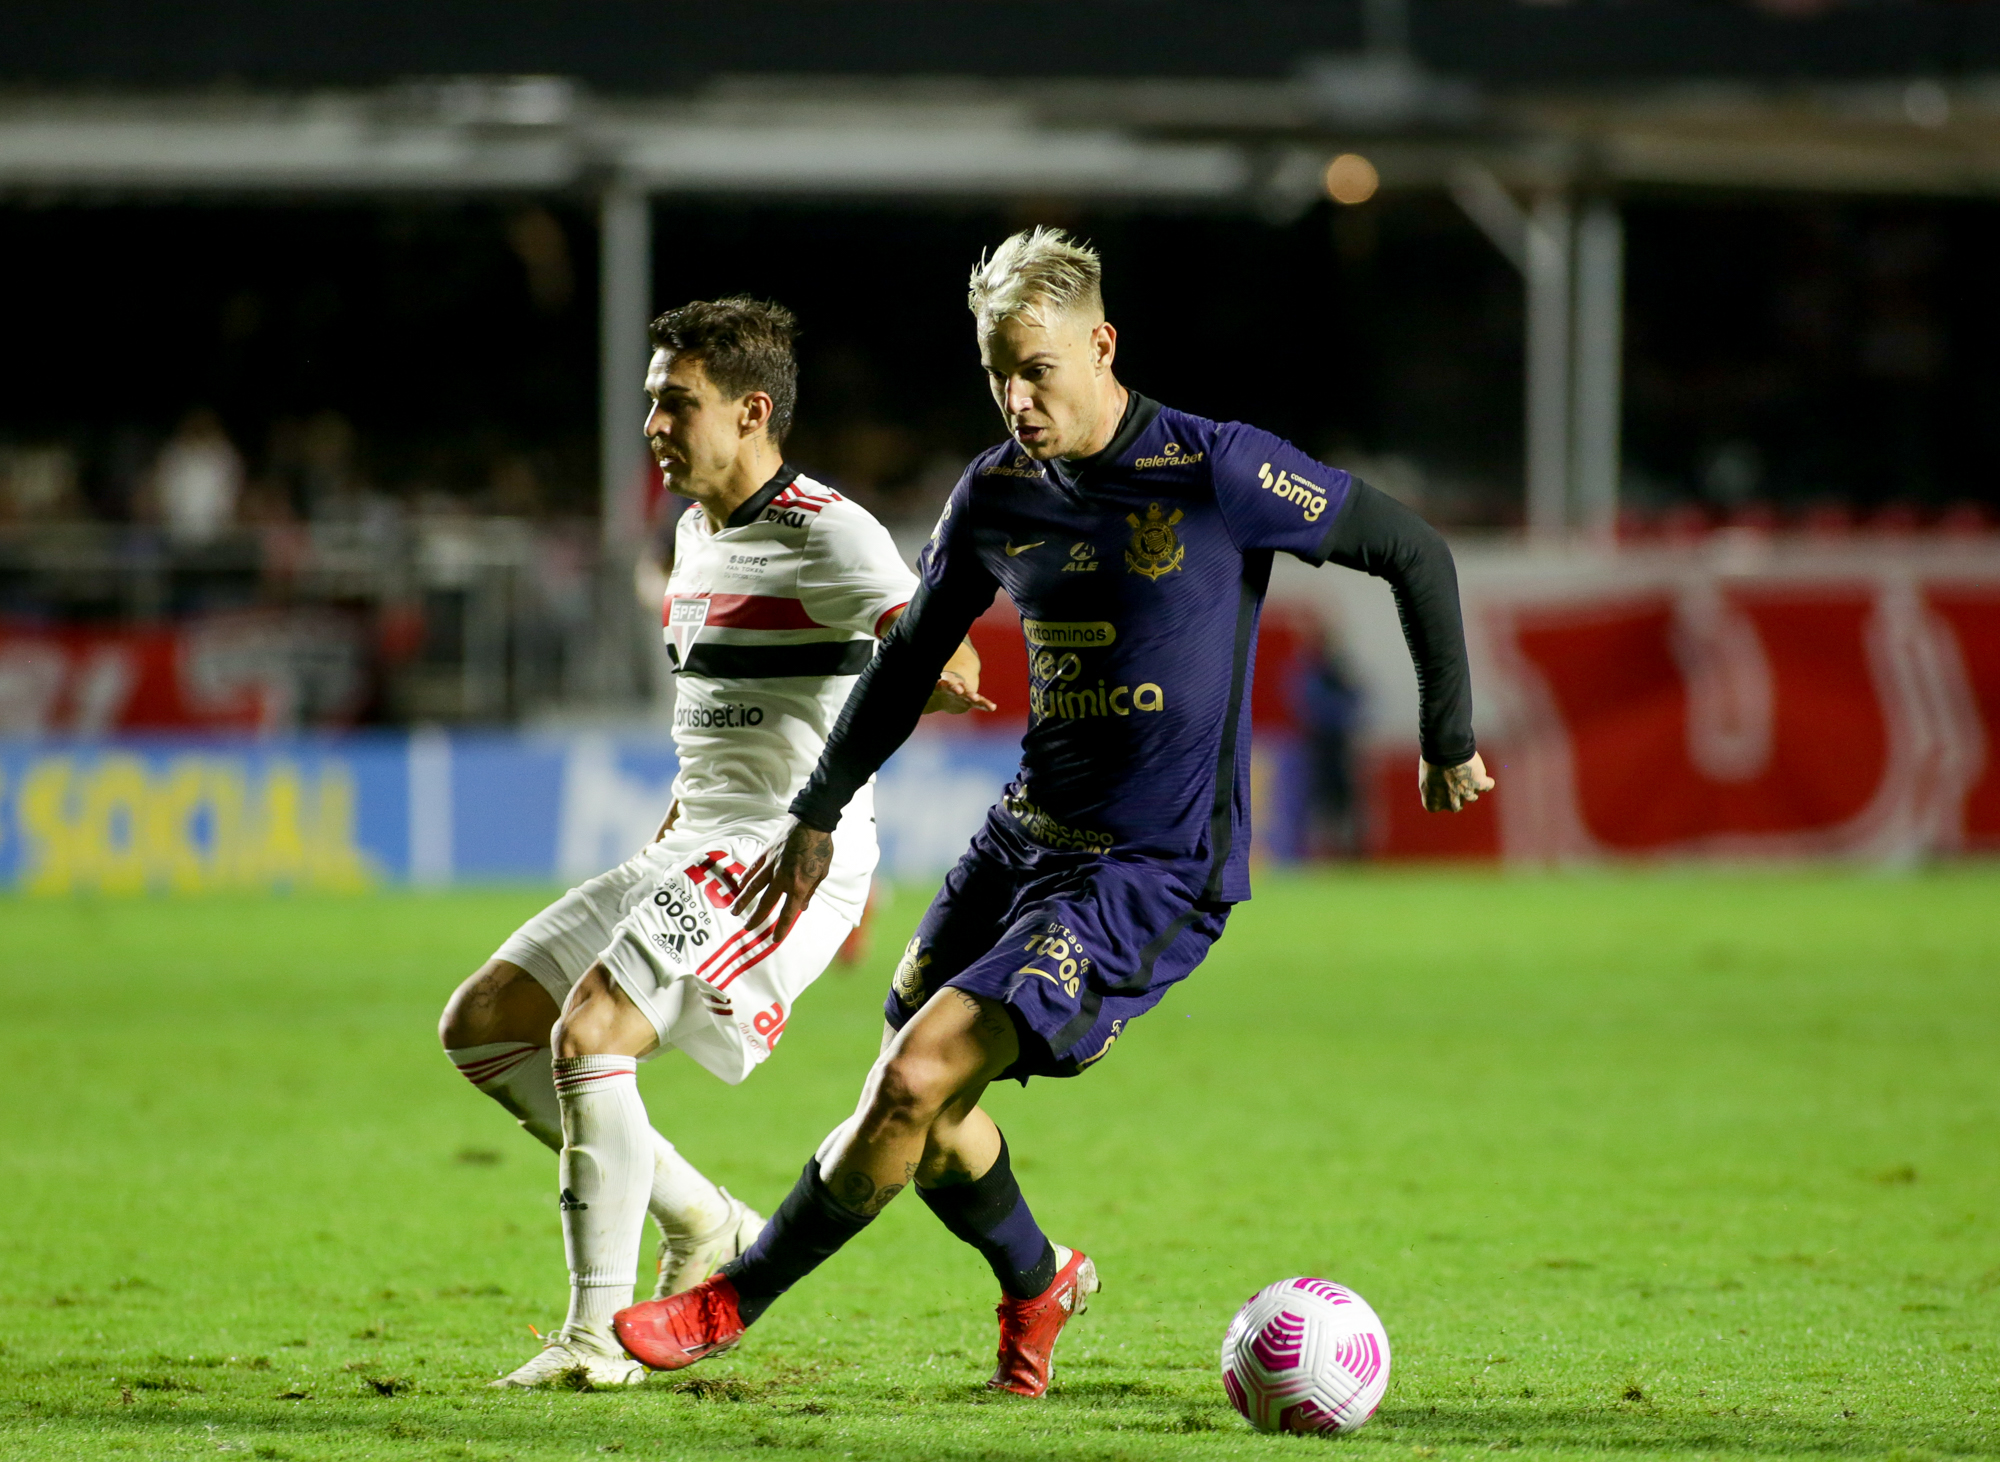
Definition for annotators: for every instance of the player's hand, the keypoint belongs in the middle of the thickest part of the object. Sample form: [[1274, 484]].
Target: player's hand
[[1449, 789], [785, 875], [954, 696]]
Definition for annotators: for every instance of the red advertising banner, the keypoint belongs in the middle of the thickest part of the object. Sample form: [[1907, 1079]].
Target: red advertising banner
[[252, 671], [1736, 699]]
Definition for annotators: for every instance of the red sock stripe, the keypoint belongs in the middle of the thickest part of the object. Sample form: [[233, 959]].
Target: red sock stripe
[[575, 1080], [489, 1069]]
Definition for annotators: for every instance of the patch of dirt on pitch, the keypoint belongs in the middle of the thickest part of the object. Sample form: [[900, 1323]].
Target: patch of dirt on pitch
[[721, 1388]]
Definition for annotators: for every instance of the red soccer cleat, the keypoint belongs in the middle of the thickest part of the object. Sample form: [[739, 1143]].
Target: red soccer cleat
[[1028, 1328], [683, 1328]]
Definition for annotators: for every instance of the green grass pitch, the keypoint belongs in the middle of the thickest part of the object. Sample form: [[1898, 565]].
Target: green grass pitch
[[1675, 1165]]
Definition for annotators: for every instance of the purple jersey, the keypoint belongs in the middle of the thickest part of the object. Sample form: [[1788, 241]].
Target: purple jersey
[[1139, 586]]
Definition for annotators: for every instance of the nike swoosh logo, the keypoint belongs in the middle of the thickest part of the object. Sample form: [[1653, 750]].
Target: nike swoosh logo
[[1013, 552]]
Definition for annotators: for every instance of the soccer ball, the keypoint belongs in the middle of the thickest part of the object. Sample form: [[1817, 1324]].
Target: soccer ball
[[1305, 1355]]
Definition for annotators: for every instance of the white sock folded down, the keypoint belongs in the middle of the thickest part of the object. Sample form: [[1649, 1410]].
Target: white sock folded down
[[516, 1075]]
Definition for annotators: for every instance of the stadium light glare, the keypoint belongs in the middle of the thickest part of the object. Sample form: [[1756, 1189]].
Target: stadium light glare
[[1351, 178]]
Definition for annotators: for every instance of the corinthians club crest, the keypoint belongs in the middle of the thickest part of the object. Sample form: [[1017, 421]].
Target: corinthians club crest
[[909, 979], [1156, 549]]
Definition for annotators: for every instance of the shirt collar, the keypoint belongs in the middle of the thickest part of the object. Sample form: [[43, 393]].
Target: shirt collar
[[748, 510]]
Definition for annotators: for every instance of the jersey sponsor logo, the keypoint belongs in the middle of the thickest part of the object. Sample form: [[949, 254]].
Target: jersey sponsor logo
[[1082, 558], [1058, 702], [1171, 455], [1055, 695], [1098, 1055], [686, 614], [724, 717], [790, 517], [749, 561], [769, 1025], [1015, 467], [1156, 549], [1309, 497], [1059, 949], [1083, 634], [1045, 830], [686, 923], [1013, 552]]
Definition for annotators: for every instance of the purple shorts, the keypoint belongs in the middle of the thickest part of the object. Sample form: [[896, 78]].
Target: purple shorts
[[1076, 945]]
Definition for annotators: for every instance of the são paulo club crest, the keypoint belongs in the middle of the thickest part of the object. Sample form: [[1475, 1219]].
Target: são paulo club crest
[[686, 614], [1156, 549]]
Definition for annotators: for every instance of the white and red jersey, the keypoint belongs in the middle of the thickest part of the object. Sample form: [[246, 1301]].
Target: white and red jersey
[[769, 620]]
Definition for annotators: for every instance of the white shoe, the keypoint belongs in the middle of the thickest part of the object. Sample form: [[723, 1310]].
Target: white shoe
[[580, 1362], [684, 1263]]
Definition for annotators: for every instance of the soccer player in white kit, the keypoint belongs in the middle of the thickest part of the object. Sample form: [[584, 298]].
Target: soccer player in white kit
[[778, 591]]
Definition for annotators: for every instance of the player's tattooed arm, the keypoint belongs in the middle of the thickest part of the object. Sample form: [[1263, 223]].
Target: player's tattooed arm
[[1450, 789], [785, 876]]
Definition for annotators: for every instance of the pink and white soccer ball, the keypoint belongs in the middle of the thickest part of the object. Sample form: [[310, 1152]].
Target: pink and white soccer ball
[[1305, 1355]]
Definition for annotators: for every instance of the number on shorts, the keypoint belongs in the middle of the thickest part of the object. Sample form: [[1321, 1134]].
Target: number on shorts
[[727, 877]]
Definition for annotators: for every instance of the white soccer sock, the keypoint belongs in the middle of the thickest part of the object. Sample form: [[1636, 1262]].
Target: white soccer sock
[[520, 1077], [516, 1075], [606, 1173]]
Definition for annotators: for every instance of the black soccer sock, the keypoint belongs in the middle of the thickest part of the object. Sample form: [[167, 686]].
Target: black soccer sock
[[990, 1214], [809, 1226]]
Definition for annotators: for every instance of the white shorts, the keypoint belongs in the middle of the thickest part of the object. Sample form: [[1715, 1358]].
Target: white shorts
[[662, 924]]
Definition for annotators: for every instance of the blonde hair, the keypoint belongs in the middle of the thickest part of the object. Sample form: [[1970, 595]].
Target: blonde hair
[[1039, 274]]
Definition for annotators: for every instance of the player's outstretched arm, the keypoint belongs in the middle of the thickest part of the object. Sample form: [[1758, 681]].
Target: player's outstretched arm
[[1379, 536], [786, 874]]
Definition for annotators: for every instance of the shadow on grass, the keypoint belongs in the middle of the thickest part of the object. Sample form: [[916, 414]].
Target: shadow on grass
[[1502, 1426], [1086, 1417]]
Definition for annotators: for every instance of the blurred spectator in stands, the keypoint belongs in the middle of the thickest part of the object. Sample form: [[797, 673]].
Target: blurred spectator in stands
[[197, 479], [513, 487], [38, 484], [1328, 705], [321, 459]]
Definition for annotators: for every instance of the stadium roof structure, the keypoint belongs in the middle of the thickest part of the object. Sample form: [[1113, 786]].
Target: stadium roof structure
[[1250, 145], [1226, 143]]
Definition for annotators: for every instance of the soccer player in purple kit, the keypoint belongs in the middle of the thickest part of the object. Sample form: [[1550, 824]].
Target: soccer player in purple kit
[[1136, 541]]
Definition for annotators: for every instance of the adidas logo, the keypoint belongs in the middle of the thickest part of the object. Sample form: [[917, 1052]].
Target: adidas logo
[[1068, 1299], [570, 1202]]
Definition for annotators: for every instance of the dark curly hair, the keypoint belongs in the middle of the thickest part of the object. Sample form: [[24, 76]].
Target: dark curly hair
[[744, 344]]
